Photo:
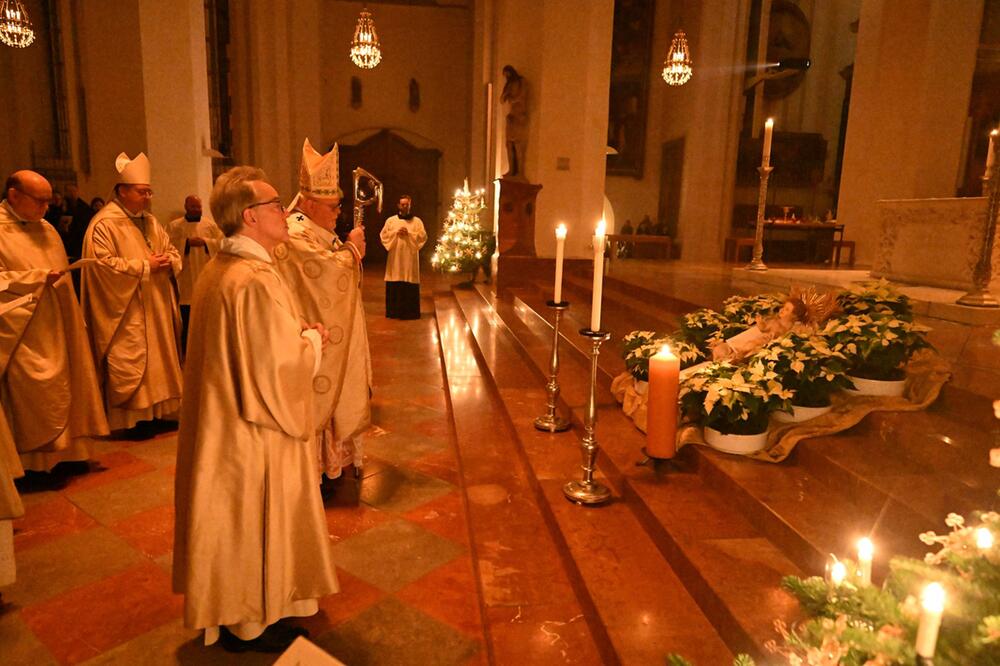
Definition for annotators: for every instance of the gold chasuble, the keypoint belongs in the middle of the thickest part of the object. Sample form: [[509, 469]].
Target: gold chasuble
[[48, 386], [132, 316], [250, 544], [323, 274]]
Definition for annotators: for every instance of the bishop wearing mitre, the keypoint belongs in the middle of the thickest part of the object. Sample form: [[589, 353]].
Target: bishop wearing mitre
[[250, 541], [129, 301], [325, 276], [48, 386]]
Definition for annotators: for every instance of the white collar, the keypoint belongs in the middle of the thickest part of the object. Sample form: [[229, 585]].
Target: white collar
[[244, 246], [13, 213]]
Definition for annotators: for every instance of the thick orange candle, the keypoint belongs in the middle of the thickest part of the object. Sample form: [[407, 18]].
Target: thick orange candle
[[661, 407]]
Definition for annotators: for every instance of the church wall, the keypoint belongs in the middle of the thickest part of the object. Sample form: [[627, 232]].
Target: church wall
[[432, 45], [563, 49], [906, 122], [632, 198], [110, 63]]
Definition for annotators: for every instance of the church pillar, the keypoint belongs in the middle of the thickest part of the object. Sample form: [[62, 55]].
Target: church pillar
[[909, 101], [276, 85], [175, 87], [563, 49]]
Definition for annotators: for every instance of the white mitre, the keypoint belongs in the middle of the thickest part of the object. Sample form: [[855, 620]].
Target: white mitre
[[319, 175], [132, 172]]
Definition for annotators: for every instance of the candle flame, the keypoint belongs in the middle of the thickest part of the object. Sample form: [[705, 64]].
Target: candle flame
[[838, 572], [601, 228], [665, 351], [984, 538], [769, 122], [865, 549], [995, 132], [561, 230], [932, 598]]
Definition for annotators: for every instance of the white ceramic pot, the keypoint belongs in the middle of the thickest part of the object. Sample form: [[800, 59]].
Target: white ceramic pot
[[740, 444], [641, 386], [876, 386], [800, 414]]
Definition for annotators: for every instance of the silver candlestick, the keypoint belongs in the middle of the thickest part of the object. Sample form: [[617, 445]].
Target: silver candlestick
[[551, 421], [980, 296], [757, 263], [589, 491]]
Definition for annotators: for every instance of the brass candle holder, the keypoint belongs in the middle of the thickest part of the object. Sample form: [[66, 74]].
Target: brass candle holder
[[757, 263], [980, 296], [551, 421], [588, 491]]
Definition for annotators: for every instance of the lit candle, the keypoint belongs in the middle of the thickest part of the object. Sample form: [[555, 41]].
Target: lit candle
[[984, 538], [932, 602], [661, 405], [595, 305], [838, 572], [560, 251], [990, 155], [768, 130], [865, 552]]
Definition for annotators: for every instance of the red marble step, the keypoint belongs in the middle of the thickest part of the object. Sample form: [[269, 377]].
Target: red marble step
[[531, 603], [703, 545]]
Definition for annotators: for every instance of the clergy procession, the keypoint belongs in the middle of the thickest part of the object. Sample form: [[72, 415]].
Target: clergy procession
[[247, 329]]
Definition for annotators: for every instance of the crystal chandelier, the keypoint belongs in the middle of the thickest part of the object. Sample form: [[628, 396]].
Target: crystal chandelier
[[15, 26], [365, 51], [677, 66]]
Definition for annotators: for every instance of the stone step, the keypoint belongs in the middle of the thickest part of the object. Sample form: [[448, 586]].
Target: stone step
[[705, 543]]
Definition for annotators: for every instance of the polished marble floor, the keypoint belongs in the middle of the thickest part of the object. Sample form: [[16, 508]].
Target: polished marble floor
[[94, 558]]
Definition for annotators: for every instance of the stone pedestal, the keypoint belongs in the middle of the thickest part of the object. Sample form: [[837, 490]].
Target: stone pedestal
[[515, 228]]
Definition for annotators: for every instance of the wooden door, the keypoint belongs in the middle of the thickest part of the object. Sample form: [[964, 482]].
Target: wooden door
[[403, 169]]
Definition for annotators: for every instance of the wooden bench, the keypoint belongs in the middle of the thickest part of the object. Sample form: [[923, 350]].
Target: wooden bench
[[839, 245], [631, 240], [733, 246]]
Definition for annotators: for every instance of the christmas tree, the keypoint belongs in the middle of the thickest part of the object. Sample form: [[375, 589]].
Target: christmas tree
[[463, 245]]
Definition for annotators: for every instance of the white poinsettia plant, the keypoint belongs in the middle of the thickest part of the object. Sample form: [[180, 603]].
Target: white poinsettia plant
[[877, 346], [703, 326], [745, 309], [875, 298], [639, 346], [808, 367], [734, 399]]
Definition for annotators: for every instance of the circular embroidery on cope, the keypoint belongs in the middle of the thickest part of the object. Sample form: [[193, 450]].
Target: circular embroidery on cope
[[312, 268], [325, 303], [281, 252], [343, 282], [336, 334], [321, 384]]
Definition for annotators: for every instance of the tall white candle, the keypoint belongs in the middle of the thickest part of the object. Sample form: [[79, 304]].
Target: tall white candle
[[768, 131], [595, 305], [560, 251], [932, 607], [838, 572], [865, 552], [990, 153]]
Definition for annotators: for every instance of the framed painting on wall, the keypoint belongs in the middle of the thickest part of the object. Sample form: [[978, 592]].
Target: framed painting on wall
[[631, 46]]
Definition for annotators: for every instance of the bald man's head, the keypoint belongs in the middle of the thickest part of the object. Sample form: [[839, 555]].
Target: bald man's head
[[29, 194], [192, 208]]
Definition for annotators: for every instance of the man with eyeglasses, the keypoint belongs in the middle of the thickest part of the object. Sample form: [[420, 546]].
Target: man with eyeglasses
[[325, 275], [129, 299], [48, 386], [251, 544]]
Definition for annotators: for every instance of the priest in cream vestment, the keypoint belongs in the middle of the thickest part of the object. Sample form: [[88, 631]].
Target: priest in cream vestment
[[13, 314], [325, 275], [48, 386], [251, 543], [129, 299]]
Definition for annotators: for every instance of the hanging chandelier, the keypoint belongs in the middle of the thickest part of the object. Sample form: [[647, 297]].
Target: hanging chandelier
[[677, 67], [15, 26], [365, 51]]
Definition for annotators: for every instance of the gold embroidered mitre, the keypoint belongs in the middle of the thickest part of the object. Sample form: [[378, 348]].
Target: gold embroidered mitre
[[819, 307], [319, 175]]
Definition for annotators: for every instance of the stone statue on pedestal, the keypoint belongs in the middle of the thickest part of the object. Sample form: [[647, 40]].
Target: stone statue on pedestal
[[515, 96]]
